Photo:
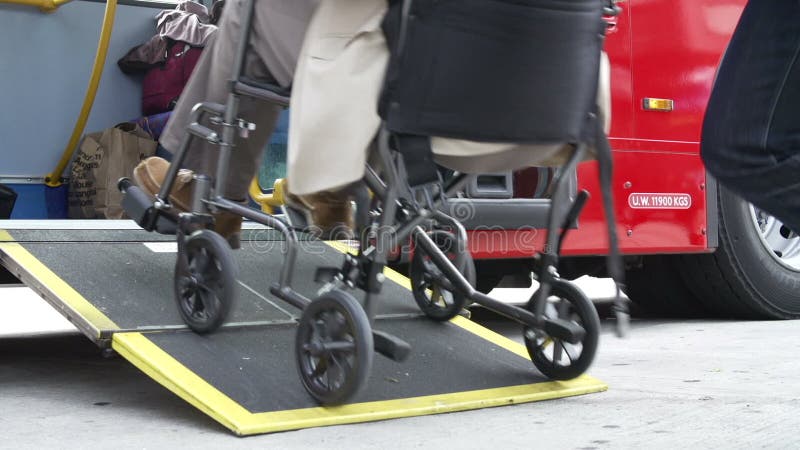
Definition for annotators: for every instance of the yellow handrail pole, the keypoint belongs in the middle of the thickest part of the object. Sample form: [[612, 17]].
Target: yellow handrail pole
[[53, 179], [44, 5], [268, 201]]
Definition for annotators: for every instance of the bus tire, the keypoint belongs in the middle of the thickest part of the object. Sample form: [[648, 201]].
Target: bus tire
[[743, 278]]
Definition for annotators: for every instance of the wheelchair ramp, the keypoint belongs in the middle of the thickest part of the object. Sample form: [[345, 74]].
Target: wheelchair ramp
[[115, 283]]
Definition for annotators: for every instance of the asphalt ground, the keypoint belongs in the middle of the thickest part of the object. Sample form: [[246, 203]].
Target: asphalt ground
[[672, 384]]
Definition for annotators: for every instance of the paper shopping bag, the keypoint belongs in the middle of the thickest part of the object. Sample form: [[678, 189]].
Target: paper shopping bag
[[102, 159]]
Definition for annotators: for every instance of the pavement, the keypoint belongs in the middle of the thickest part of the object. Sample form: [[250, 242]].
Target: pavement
[[672, 384]]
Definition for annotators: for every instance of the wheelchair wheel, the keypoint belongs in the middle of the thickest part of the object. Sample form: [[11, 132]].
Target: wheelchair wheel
[[205, 281], [556, 359], [334, 347], [436, 302]]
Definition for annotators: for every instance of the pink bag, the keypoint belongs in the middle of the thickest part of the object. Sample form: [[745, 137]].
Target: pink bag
[[164, 83]]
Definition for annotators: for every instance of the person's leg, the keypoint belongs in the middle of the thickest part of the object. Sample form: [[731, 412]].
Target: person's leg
[[209, 82], [751, 132], [276, 37], [275, 40]]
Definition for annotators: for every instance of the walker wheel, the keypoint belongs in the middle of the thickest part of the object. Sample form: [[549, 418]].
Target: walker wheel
[[334, 347], [556, 359], [205, 281], [436, 302]]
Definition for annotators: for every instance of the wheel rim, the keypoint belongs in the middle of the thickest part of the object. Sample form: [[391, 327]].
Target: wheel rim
[[436, 295], [328, 352], [556, 351], [200, 285], [562, 360], [781, 243], [435, 301]]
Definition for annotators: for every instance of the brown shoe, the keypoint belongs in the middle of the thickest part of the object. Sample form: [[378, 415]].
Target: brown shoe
[[150, 174], [229, 226], [329, 215]]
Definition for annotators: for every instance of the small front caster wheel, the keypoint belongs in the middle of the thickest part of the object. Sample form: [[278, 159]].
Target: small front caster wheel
[[205, 281], [334, 347]]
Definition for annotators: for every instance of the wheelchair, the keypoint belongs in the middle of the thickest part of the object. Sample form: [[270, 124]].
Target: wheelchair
[[335, 339]]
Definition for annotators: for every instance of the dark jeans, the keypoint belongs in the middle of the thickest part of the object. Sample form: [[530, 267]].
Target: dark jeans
[[751, 133]]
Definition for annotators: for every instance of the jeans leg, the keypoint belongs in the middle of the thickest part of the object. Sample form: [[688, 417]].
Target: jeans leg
[[751, 132]]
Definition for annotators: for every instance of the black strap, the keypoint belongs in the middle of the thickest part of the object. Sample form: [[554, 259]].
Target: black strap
[[417, 157], [614, 261]]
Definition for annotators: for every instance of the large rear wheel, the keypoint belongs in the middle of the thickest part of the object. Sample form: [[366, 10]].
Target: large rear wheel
[[435, 301]]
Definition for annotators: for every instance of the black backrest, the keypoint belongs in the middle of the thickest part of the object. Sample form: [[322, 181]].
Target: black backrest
[[521, 71]]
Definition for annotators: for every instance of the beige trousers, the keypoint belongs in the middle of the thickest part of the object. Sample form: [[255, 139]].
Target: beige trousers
[[334, 114]]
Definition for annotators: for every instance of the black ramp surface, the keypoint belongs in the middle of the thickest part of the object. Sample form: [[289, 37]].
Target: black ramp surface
[[133, 285], [255, 367], [260, 264], [118, 235], [91, 235], [244, 375]]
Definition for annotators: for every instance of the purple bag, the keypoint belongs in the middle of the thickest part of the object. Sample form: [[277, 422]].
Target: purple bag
[[163, 84], [154, 125]]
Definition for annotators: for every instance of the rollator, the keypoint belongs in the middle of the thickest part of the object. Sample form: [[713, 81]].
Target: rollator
[[402, 199]]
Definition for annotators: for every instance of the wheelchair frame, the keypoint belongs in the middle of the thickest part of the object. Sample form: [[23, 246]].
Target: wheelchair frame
[[401, 218]]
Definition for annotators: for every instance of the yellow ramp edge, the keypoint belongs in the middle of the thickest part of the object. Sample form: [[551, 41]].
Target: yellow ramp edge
[[176, 377], [54, 290], [179, 379]]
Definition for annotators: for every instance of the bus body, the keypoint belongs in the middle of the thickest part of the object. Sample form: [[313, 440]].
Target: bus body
[[689, 246]]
